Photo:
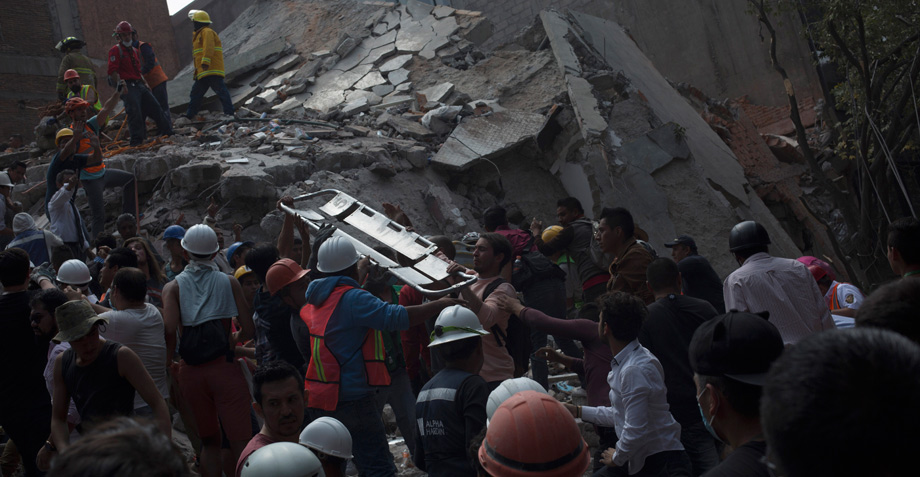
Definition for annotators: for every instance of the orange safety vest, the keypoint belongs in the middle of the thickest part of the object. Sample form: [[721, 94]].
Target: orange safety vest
[[835, 303], [156, 76], [324, 372], [85, 148]]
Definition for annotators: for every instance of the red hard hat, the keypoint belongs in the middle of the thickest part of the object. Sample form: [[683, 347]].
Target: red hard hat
[[282, 273], [810, 262], [124, 27], [71, 74], [75, 104], [533, 435], [817, 272]]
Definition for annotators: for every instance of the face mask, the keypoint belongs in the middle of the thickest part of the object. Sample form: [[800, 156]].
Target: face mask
[[707, 424], [127, 43]]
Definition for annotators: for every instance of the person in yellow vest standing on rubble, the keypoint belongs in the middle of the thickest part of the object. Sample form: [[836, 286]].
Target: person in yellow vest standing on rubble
[[208, 56], [153, 73], [80, 90], [74, 60]]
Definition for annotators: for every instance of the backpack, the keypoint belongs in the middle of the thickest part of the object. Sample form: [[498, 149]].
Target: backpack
[[205, 342], [532, 266], [515, 338]]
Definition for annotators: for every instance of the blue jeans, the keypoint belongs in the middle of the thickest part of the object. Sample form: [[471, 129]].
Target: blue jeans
[[700, 447], [139, 105], [399, 396], [369, 439], [547, 296], [111, 179], [216, 84]]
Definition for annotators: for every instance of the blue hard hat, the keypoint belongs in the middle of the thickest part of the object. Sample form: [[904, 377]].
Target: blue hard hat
[[174, 232], [232, 249]]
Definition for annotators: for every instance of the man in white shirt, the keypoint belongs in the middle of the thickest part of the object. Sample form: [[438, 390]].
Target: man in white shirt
[[65, 219], [139, 326], [782, 286], [649, 443]]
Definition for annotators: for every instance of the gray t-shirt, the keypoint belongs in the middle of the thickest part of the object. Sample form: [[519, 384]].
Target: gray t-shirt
[[143, 331]]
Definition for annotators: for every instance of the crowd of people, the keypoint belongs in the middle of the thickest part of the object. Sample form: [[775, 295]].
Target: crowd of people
[[279, 358]]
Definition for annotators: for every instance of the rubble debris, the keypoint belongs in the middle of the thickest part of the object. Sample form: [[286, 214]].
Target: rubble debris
[[487, 137]]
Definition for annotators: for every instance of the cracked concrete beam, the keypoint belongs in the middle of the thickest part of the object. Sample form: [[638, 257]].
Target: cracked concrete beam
[[584, 103], [556, 28]]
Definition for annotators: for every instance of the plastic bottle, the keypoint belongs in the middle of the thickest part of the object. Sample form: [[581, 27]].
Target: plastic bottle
[[407, 462]]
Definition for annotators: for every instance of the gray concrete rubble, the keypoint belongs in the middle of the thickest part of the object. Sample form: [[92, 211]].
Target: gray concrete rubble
[[396, 103]]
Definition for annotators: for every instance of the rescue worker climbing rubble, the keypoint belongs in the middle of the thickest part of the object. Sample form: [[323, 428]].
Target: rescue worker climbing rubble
[[208, 54], [153, 73]]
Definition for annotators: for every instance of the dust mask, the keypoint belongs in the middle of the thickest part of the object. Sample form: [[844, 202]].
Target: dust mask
[[128, 43]]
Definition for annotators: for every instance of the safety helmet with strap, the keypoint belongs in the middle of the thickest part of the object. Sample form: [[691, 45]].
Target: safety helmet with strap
[[329, 436]]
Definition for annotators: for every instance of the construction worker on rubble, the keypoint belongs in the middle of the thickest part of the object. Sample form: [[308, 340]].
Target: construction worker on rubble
[[153, 73], [125, 64], [80, 90], [208, 55], [348, 360], [94, 176], [73, 60]]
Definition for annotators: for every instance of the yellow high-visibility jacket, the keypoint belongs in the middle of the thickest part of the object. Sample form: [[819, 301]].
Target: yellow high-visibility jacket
[[207, 50]]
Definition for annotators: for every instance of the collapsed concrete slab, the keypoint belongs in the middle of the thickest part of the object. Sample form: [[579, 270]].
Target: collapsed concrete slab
[[487, 137]]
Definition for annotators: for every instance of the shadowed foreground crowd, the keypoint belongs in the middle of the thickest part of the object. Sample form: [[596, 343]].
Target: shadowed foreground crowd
[[279, 358]]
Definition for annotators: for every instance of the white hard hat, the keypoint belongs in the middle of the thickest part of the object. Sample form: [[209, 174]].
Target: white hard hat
[[456, 323], [283, 459], [336, 254], [329, 436], [508, 388], [200, 240], [5, 180], [74, 272]]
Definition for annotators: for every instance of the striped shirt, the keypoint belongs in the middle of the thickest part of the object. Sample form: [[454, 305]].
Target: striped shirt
[[785, 288]]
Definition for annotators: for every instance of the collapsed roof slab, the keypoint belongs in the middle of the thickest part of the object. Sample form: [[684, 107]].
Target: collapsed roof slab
[[487, 137]]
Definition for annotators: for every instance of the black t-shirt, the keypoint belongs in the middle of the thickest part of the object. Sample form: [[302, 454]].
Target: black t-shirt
[[701, 281], [21, 379], [667, 333], [745, 461]]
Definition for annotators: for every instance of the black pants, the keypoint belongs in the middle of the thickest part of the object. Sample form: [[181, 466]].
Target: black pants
[[662, 464], [547, 296], [28, 425]]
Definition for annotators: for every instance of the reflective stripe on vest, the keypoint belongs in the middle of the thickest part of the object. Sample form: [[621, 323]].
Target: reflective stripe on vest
[[835, 303], [156, 76], [324, 372], [86, 148], [84, 93]]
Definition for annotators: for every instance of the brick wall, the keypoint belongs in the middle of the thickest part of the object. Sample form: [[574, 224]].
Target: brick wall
[[26, 32]]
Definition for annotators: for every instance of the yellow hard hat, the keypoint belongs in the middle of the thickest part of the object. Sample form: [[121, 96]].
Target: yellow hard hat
[[551, 232], [62, 133], [199, 16], [242, 271]]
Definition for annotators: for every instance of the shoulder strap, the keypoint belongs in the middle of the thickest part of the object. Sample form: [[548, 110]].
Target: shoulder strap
[[492, 287], [501, 339]]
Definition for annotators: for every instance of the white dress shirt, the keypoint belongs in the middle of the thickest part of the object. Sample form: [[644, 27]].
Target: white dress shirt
[[639, 408], [785, 288], [61, 215]]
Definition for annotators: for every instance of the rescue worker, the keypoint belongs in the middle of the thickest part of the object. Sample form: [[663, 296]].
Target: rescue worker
[[451, 407], [125, 64], [843, 299], [74, 60], [208, 56], [153, 73], [83, 91], [345, 324]]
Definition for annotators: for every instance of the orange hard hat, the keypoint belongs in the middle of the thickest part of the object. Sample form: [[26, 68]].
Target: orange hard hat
[[75, 104], [71, 74], [124, 27], [282, 273], [533, 435]]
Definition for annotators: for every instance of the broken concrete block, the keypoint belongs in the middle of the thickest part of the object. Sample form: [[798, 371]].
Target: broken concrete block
[[392, 20], [296, 88], [431, 49], [418, 10], [355, 58], [268, 96], [286, 63], [324, 100], [339, 158], [394, 102], [376, 42], [318, 55], [265, 149], [398, 76], [375, 17], [383, 169], [395, 63], [194, 175], [487, 136], [359, 105], [404, 87], [383, 89], [438, 93], [380, 29], [379, 54], [442, 11], [372, 99], [408, 128], [280, 79], [586, 109], [359, 131], [346, 43], [370, 80], [446, 27], [556, 29], [288, 104], [413, 36], [319, 132], [417, 156]]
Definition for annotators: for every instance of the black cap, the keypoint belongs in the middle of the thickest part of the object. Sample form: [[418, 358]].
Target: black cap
[[747, 234], [682, 240], [738, 345]]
